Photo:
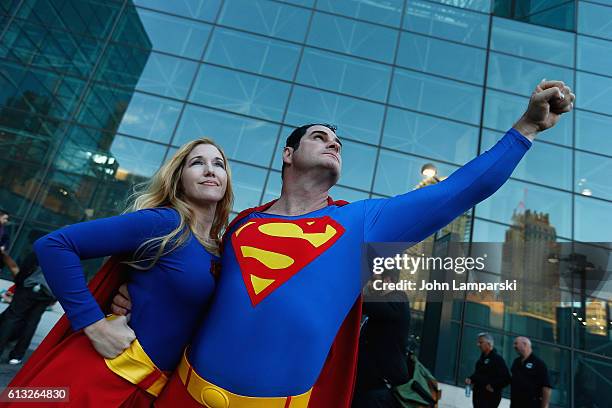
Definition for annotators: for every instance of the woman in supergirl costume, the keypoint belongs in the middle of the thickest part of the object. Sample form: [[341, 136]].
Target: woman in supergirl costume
[[165, 247]]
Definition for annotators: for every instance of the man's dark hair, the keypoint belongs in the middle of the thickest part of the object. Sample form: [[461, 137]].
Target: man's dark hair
[[294, 138]]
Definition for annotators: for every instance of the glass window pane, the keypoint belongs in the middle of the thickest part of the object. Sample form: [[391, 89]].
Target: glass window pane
[[486, 231], [590, 52], [592, 219], [440, 57], [543, 163], [424, 135], [357, 165], [593, 175], [478, 5], [344, 74], [305, 3], [592, 132], [260, 55], [248, 183], [595, 92], [243, 139], [532, 41], [594, 19], [104, 107], [358, 120], [502, 110], [392, 164], [266, 17], [422, 92], [347, 194], [122, 65], [198, 9], [447, 22], [591, 379], [150, 30], [240, 93], [383, 12], [559, 14], [352, 37], [150, 117], [521, 76], [136, 157], [515, 197]]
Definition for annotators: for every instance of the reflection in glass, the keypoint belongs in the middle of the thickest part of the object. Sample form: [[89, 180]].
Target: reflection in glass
[[592, 374], [248, 183], [198, 9], [175, 35], [150, 117], [502, 110], [344, 74], [592, 221], [136, 156], [352, 37], [590, 52], [556, 14], [515, 198], [530, 41], [595, 92], [357, 165], [441, 57], [422, 92], [478, 5], [593, 175], [521, 76], [240, 93], [424, 135], [266, 17], [386, 12], [243, 139], [543, 163], [592, 132], [447, 22], [249, 52], [357, 120], [594, 19]]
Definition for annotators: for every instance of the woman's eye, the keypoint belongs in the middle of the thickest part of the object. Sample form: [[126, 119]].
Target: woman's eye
[[193, 163]]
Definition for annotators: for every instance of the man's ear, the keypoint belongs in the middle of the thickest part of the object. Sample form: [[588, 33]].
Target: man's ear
[[287, 155]]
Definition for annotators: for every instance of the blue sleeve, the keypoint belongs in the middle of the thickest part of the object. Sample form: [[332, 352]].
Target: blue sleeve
[[413, 216], [60, 252]]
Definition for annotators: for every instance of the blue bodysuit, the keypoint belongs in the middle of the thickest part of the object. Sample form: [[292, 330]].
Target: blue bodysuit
[[288, 282], [168, 300]]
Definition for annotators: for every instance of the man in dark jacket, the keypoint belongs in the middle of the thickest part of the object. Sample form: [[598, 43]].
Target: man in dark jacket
[[530, 382], [490, 375]]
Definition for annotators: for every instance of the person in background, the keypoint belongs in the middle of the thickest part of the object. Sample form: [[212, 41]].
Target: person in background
[[490, 374], [530, 383]]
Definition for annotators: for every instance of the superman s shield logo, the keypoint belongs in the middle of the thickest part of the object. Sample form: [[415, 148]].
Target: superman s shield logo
[[270, 251]]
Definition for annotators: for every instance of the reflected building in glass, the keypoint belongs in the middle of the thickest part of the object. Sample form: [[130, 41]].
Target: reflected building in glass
[[95, 95]]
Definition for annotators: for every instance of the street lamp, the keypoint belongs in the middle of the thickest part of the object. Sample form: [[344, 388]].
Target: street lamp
[[430, 171]]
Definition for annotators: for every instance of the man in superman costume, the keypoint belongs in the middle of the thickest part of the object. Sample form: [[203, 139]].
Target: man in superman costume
[[282, 329]]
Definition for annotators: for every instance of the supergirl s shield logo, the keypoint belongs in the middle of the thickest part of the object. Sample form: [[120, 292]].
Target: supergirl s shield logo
[[270, 251]]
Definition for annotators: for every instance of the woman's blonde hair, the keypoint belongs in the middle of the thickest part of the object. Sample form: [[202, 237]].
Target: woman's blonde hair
[[165, 189]]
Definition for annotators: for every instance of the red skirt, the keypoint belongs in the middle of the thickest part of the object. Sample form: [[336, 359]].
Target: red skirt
[[75, 364]]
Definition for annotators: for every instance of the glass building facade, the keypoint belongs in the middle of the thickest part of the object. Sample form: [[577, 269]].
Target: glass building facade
[[96, 94]]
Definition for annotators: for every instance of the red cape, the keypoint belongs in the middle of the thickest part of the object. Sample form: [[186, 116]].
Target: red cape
[[103, 286], [334, 387]]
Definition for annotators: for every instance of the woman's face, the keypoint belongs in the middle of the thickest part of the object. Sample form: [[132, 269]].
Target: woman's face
[[204, 178]]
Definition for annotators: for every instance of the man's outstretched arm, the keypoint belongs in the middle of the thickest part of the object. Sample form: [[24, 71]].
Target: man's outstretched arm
[[415, 215]]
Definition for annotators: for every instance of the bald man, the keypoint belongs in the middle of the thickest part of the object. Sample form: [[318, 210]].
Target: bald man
[[530, 387]]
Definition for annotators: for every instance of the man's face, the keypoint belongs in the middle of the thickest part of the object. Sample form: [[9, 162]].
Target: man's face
[[4, 219], [319, 147], [519, 346], [483, 345]]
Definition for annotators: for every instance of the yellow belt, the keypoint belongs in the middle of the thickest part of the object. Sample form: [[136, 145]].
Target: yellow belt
[[135, 366], [211, 396]]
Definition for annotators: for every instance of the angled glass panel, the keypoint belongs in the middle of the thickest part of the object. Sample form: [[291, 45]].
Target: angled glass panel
[[254, 53], [136, 156], [593, 175], [478, 5], [592, 221], [357, 165], [150, 117], [90, 17], [277, 158], [343, 74], [9, 6], [392, 164], [305, 3], [559, 14], [521, 76], [446, 22], [352, 37], [151, 30], [243, 139], [593, 132], [104, 107], [421, 92], [590, 52], [379, 11], [440, 57], [502, 110], [424, 135], [356, 119], [515, 197], [348, 194], [273, 186], [592, 373], [595, 92], [198, 9], [162, 74], [487, 231], [241, 93], [594, 19], [248, 183], [266, 17], [543, 163], [532, 41]]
